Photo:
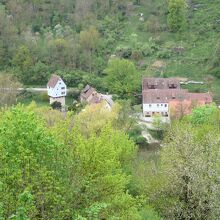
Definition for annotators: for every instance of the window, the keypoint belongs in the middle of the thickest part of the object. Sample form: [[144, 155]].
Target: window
[[149, 105], [62, 93], [165, 105], [161, 104], [62, 87], [158, 105]]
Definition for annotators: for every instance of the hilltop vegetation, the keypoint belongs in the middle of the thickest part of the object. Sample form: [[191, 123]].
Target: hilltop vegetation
[[77, 38]]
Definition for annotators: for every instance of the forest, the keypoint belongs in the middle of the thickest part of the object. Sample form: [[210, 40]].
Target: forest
[[88, 162]]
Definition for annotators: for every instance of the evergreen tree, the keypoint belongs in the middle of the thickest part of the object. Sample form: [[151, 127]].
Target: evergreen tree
[[177, 15]]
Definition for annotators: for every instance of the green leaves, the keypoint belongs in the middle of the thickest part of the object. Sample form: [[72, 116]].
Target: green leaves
[[122, 77], [65, 174], [177, 15]]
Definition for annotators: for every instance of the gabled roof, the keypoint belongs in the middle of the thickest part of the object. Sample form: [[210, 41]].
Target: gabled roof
[[87, 91], [53, 80]]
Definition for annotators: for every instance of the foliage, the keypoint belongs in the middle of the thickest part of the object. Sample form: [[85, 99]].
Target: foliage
[[177, 15], [122, 77], [56, 105], [203, 114], [186, 184], [9, 86], [29, 161]]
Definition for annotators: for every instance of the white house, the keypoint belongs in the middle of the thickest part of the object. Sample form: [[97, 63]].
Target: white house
[[164, 96], [56, 89]]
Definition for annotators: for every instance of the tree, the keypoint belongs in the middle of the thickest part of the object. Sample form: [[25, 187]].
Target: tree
[[189, 174], [99, 168], [203, 114], [23, 59], [9, 86], [89, 40], [122, 77], [176, 15], [94, 117], [31, 168]]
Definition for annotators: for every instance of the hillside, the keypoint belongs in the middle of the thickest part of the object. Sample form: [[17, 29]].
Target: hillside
[[77, 38]]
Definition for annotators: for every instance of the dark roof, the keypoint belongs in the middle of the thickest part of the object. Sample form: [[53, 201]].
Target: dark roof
[[160, 83], [87, 91], [53, 80], [163, 95]]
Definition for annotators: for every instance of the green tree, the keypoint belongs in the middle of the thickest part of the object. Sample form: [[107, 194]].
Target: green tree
[[188, 182], [22, 58], [203, 115], [122, 78], [30, 168], [177, 15], [89, 40], [99, 167]]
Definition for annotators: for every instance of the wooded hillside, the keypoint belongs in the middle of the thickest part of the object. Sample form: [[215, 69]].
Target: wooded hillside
[[76, 39]]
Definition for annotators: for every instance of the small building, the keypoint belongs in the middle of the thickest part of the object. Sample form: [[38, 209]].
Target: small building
[[90, 96], [56, 89], [164, 96]]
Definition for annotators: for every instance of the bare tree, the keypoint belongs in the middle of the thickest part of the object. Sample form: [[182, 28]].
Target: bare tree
[[9, 89]]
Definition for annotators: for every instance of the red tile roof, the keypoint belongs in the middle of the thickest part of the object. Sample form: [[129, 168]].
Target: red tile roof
[[53, 80], [163, 95]]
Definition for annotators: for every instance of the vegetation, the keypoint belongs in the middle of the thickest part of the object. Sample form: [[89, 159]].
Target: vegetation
[[76, 39], [92, 162]]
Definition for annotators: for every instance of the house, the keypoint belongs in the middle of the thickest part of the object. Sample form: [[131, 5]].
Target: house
[[90, 96], [56, 89], [164, 96]]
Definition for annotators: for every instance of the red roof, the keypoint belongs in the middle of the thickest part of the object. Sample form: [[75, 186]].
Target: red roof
[[53, 80], [163, 95]]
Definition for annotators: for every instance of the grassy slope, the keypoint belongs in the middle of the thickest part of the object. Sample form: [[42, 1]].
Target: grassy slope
[[199, 41]]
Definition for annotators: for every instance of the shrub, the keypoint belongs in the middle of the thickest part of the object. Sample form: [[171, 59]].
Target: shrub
[[124, 52], [56, 105], [215, 72], [164, 54]]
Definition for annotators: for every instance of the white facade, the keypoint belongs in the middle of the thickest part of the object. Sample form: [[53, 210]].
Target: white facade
[[156, 108], [59, 90]]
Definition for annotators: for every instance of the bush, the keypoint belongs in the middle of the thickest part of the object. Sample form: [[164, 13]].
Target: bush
[[153, 24], [164, 54], [56, 105], [44, 97], [124, 52], [215, 72]]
